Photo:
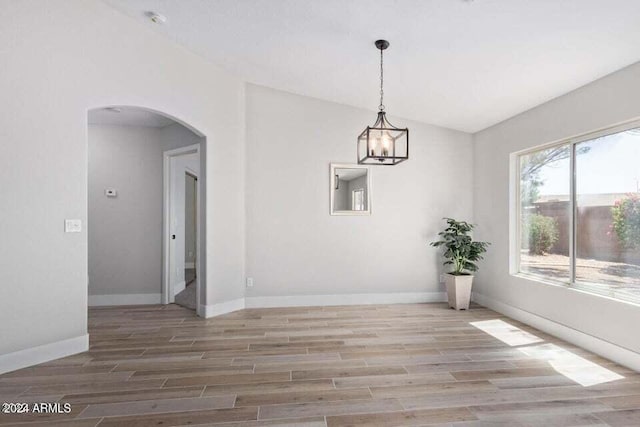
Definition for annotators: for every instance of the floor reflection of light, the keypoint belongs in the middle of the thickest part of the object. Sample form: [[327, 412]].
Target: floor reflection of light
[[506, 333], [572, 366]]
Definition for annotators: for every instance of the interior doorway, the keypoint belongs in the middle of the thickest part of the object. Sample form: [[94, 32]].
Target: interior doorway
[[188, 297], [191, 227], [182, 225], [130, 220]]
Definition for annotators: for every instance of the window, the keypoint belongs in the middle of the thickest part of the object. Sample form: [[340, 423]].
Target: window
[[545, 213], [579, 213]]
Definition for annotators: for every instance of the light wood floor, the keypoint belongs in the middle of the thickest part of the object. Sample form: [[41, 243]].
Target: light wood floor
[[390, 365]]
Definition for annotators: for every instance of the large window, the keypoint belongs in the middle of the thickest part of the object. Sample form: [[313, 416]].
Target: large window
[[579, 213]]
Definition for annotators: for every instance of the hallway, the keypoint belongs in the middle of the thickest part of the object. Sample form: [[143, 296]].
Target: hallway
[[187, 297]]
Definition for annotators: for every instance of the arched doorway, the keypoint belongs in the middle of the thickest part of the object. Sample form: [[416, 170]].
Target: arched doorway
[[143, 246]]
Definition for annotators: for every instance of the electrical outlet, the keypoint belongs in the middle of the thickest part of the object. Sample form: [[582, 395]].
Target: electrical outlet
[[442, 279], [249, 282], [72, 226]]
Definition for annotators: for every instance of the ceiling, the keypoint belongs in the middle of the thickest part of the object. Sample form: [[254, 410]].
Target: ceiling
[[461, 64], [349, 174], [128, 116]]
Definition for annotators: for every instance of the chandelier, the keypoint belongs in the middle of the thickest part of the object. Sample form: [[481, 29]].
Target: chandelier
[[383, 143]]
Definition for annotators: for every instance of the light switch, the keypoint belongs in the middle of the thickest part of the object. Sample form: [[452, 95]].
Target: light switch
[[72, 225]]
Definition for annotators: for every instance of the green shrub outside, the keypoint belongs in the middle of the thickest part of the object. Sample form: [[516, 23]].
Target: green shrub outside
[[626, 220], [541, 232]]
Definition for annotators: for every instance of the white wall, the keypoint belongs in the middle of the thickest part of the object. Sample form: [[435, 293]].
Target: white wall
[[295, 247], [60, 59], [608, 101]]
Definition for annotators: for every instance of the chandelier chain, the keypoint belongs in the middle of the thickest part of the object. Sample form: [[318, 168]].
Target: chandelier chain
[[381, 106]]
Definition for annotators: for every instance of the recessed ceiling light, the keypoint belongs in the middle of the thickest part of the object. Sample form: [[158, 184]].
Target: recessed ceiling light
[[114, 109], [156, 18]]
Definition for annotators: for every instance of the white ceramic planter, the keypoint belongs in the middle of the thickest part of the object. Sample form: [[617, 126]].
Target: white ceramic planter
[[459, 291]]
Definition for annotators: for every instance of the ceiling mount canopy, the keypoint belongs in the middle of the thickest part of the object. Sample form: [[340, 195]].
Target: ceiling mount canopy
[[383, 143]]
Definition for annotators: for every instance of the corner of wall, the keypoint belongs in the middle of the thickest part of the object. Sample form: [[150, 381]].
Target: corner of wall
[[211, 310], [474, 150], [243, 142]]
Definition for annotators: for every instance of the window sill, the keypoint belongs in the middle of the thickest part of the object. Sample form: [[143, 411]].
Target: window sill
[[541, 279], [593, 290]]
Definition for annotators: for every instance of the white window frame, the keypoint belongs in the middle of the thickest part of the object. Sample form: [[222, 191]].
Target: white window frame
[[515, 241]]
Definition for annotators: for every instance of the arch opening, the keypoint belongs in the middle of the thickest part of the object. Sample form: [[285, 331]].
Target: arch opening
[[146, 208]]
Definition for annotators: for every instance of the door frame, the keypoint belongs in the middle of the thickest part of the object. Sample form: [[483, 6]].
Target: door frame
[[166, 222]]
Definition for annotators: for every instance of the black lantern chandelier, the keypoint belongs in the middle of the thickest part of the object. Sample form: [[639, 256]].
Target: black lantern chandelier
[[383, 143]]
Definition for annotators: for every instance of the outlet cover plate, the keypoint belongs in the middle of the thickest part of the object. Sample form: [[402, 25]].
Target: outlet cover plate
[[72, 225]]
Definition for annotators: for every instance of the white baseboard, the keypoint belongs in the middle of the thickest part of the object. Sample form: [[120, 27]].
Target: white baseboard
[[319, 300], [189, 265], [179, 287], [613, 352], [211, 310], [124, 299], [43, 353], [345, 299]]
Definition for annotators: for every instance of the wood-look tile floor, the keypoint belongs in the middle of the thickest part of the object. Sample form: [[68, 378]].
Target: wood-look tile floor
[[384, 365]]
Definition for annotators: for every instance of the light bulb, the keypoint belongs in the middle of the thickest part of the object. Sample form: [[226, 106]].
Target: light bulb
[[386, 143], [381, 144]]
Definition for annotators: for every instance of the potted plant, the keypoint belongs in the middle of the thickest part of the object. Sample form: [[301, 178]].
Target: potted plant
[[462, 253]]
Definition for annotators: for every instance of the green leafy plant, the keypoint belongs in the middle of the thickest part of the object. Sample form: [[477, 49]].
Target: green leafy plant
[[460, 250], [542, 233], [626, 220]]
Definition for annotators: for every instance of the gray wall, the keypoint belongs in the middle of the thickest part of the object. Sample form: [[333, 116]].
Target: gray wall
[[190, 220], [295, 247], [125, 232], [125, 245], [341, 196], [100, 58], [605, 102], [176, 136]]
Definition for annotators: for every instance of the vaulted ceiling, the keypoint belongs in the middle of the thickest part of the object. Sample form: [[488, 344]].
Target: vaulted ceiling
[[461, 64]]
